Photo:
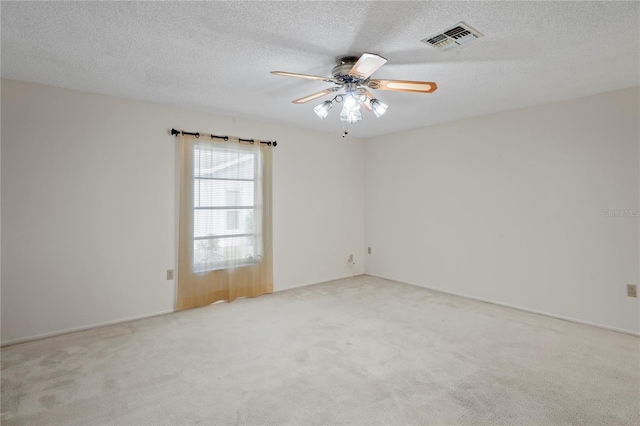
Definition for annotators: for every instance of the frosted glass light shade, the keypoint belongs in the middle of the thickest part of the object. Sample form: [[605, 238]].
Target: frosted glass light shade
[[350, 115], [351, 109], [378, 107], [322, 110], [351, 103]]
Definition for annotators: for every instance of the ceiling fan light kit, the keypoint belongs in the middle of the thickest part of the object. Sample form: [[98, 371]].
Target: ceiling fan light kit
[[353, 75]]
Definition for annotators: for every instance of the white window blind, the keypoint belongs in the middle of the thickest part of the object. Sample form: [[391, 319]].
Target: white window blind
[[226, 213]]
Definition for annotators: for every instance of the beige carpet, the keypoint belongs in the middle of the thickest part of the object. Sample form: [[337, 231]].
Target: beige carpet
[[358, 351]]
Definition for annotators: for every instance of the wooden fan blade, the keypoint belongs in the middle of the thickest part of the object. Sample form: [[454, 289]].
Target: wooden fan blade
[[367, 65], [404, 85], [315, 95], [369, 95], [307, 76]]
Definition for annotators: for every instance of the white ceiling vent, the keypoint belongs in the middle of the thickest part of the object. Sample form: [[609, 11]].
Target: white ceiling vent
[[458, 34]]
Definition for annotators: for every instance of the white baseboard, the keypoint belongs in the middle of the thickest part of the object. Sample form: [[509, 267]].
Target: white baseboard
[[118, 321], [275, 290], [102, 324], [520, 308], [83, 328]]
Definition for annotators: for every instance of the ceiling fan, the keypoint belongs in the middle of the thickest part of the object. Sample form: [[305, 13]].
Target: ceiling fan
[[353, 75]]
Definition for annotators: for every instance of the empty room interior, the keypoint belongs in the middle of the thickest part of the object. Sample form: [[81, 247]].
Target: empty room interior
[[354, 213]]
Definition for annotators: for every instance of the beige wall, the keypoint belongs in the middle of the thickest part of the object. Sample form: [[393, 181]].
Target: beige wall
[[89, 206], [509, 208], [512, 208]]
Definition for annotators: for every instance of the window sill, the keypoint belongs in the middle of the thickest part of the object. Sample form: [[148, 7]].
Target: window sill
[[222, 266]]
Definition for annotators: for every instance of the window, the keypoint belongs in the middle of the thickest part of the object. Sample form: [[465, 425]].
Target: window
[[225, 227], [225, 213]]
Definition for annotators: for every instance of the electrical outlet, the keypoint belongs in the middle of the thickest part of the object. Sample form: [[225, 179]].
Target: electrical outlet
[[350, 262], [169, 274], [632, 290], [369, 250]]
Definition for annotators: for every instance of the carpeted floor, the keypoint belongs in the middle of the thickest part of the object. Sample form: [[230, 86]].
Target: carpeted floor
[[357, 351]]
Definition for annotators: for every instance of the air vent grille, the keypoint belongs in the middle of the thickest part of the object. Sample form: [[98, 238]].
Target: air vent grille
[[457, 35]]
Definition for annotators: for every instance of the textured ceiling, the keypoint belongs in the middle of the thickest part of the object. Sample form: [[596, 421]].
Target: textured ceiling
[[216, 56]]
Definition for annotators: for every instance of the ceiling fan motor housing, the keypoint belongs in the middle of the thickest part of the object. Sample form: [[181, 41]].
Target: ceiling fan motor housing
[[341, 71]]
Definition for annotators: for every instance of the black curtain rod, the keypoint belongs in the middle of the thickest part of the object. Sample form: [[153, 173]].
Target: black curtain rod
[[175, 132]]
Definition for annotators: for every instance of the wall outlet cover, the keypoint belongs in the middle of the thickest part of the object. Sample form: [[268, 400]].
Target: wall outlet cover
[[632, 290]]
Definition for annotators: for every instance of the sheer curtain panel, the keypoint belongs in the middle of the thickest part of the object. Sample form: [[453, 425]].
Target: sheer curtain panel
[[225, 243]]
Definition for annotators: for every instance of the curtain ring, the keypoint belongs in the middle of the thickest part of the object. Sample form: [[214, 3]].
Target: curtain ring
[[226, 138], [197, 135]]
